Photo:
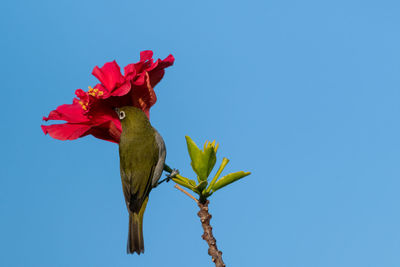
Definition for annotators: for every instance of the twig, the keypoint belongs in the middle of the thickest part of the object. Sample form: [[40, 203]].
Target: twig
[[205, 218], [186, 193]]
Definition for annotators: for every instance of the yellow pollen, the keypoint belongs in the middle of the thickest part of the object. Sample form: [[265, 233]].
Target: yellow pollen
[[95, 92], [84, 106]]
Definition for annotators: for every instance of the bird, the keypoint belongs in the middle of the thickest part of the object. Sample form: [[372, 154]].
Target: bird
[[142, 155]]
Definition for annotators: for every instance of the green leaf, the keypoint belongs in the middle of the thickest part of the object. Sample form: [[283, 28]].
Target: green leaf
[[202, 161], [188, 183], [195, 156], [192, 182], [216, 176], [210, 158], [229, 178]]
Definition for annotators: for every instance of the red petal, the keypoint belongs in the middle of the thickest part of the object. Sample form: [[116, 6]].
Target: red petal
[[146, 61], [107, 131], [67, 112], [66, 131], [157, 73], [144, 97], [130, 71], [81, 94], [109, 75], [122, 90], [146, 55], [169, 61], [156, 76], [140, 78]]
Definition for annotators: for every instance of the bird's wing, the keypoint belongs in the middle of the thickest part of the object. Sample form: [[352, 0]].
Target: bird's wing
[[162, 152], [137, 171]]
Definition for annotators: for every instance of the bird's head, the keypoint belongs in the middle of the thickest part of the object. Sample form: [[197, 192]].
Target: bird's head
[[131, 117]]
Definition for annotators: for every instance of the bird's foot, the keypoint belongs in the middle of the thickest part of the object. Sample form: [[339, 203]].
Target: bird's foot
[[173, 173], [169, 176]]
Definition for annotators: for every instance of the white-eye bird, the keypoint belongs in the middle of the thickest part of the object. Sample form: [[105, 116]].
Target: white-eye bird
[[142, 156]]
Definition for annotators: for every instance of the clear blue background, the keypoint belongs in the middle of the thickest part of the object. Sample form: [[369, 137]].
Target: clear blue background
[[305, 94]]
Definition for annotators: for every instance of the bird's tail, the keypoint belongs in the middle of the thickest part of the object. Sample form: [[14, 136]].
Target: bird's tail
[[135, 236]]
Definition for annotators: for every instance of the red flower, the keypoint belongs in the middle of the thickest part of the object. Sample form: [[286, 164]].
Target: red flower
[[92, 112]]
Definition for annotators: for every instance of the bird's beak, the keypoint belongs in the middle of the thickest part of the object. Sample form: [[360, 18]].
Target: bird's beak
[[116, 110]]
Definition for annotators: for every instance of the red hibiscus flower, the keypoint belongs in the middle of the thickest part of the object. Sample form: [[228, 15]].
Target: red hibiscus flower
[[92, 112]]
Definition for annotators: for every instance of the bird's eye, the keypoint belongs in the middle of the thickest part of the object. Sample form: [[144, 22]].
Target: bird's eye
[[121, 115]]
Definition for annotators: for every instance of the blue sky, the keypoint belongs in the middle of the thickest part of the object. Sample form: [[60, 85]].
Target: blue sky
[[304, 94]]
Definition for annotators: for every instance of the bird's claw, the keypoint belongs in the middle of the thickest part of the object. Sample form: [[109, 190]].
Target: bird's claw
[[169, 176], [173, 173]]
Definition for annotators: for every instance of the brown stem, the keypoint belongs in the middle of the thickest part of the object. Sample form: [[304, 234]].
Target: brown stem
[[205, 218]]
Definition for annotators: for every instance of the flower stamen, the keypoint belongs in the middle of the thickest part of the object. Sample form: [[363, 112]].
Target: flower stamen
[[84, 105], [95, 92]]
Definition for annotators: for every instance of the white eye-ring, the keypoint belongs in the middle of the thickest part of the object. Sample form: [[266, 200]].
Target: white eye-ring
[[121, 115]]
